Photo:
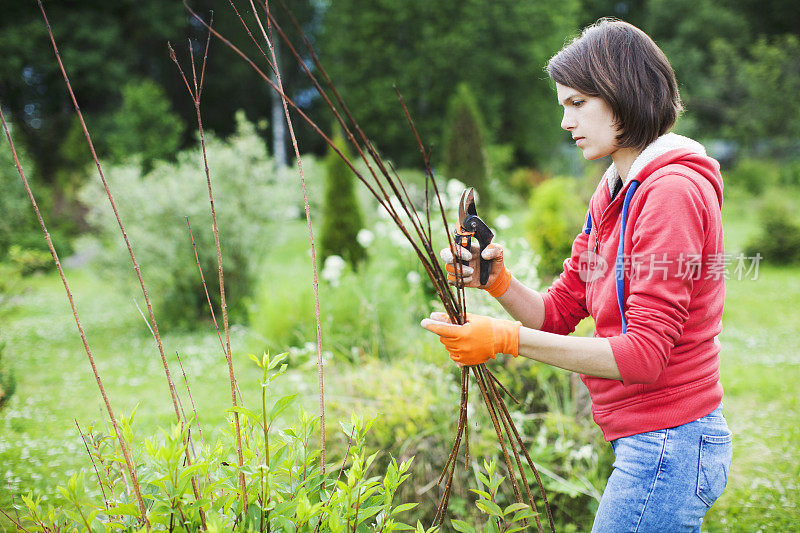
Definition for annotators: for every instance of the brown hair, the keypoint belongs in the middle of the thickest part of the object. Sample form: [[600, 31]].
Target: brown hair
[[622, 65]]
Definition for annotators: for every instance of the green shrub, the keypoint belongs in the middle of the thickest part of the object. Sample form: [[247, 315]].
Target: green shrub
[[790, 173], [29, 260], [418, 405], [286, 490], [754, 175], [250, 201], [7, 382], [779, 237], [374, 312], [556, 217], [18, 224], [464, 141], [524, 180], [144, 125], [342, 218], [554, 414]]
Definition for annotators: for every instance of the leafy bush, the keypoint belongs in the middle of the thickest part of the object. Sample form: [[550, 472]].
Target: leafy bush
[[779, 238], [556, 216], [7, 382], [515, 517], [374, 312], [18, 224], [754, 175], [144, 125], [29, 260], [554, 415], [250, 200], [286, 491], [342, 214], [418, 403], [524, 180]]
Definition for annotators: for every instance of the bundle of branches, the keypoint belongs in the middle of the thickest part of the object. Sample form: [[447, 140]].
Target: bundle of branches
[[384, 183]]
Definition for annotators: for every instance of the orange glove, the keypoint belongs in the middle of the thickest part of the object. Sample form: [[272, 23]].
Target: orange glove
[[499, 277], [476, 341]]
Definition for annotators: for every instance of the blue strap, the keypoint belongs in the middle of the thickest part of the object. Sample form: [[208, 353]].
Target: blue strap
[[587, 228], [620, 267]]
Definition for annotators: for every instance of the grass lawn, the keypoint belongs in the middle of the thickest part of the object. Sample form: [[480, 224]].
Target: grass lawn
[[39, 443]]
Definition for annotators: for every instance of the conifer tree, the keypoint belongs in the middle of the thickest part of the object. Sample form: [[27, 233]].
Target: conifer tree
[[341, 213], [464, 141]]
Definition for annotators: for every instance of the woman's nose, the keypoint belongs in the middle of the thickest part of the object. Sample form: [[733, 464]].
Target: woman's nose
[[567, 122]]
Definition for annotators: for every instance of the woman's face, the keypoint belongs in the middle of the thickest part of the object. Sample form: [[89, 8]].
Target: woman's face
[[590, 121]]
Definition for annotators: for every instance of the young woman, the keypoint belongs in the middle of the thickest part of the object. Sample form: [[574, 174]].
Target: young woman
[[646, 267]]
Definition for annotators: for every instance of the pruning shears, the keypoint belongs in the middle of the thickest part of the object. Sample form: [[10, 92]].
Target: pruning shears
[[470, 225]]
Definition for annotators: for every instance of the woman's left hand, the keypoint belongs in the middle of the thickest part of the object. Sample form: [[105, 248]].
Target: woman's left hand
[[476, 341]]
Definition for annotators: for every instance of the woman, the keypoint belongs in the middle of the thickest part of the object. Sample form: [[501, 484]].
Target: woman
[[646, 268]]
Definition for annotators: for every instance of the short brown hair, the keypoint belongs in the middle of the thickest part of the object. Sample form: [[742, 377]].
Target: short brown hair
[[622, 65]]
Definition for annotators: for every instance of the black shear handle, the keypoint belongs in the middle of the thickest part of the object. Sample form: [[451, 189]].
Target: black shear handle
[[477, 228]]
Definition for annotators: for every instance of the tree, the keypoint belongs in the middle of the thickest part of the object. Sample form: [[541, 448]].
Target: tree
[[342, 215], [427, 48], [464, 141], [145, 125], [770, 68], [106, 45]]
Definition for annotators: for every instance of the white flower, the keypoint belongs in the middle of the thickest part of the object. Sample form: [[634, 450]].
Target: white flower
[[365, 237], [502, 222], [455, 188], [413, 277], [332, 271]]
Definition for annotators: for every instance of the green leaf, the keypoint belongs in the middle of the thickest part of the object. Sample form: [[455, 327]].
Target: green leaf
[[489, 507], [403, 507], [280, 406], [482, 493], [128, 509], [255, 359], [278, 358], [515, 507], [463, 527], [244, 411]]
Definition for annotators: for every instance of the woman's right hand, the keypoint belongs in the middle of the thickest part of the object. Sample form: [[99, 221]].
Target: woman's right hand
[[470, 275]]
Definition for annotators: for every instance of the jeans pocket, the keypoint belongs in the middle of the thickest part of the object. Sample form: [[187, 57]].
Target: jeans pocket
[[716, 452]]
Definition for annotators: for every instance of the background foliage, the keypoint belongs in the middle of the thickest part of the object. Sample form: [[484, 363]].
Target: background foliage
[[154, 207], [342, 213]]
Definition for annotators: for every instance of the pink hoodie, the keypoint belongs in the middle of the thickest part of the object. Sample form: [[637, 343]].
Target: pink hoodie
[[674, 290]]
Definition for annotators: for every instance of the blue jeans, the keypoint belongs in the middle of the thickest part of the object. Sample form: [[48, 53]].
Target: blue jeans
[[666, 480]]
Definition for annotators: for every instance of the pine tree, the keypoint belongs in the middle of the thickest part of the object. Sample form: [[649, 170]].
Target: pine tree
[[465, 142], [342, 215]]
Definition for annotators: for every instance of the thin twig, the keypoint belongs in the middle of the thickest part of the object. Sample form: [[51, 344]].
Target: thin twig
[[231, 374], [191, 400], [320, 367], [89, 453]]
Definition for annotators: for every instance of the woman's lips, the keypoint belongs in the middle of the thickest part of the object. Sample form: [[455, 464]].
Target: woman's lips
[[578, 140]]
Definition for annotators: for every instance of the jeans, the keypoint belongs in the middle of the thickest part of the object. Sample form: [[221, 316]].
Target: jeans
[[666, 480]]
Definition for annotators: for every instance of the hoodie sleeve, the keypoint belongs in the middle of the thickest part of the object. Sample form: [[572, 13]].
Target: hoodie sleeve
[[565, 300], [669, 227]]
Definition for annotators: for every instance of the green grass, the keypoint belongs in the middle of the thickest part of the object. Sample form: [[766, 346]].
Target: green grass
[[39, 443], [760, 371]]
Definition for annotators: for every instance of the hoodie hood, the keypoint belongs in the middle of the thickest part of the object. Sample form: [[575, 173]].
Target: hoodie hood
[[668, 149]]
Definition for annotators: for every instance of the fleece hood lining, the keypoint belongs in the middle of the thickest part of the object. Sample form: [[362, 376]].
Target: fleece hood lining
[[662, 145]]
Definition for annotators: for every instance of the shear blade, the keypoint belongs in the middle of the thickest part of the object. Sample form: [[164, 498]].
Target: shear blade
[[466, 205]]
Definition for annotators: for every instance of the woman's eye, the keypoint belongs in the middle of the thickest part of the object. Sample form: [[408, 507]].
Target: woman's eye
[[578, 103]]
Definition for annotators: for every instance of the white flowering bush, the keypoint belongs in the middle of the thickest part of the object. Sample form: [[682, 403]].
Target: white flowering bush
[[251, 201]]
